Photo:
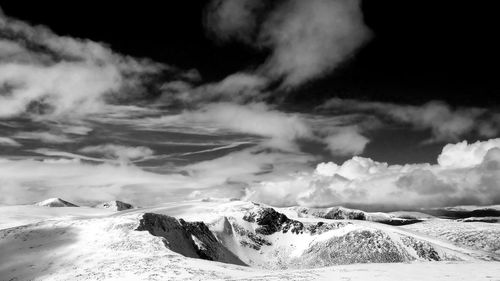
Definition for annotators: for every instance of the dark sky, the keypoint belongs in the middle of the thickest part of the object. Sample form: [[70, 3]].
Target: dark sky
[[422, 50]]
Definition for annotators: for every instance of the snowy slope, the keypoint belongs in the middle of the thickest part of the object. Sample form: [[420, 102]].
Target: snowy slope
[[150, 244], [55, 202], [11, 216], [476, 235]]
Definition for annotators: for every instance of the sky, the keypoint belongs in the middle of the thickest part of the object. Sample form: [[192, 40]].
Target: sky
[[380, 106]]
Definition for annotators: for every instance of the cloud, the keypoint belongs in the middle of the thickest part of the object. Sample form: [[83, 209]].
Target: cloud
[[277, 129], [281, 129], [120, 152], [44, 74], [424, 182], [347, 141], [367, 184], [306, 39], [25, 181], [4, 141], [238, 87], [72, 177], [463, 154], [45, 137], [446, 123], [238, 18]]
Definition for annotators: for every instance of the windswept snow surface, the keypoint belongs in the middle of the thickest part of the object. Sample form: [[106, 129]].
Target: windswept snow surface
[[99, 244]]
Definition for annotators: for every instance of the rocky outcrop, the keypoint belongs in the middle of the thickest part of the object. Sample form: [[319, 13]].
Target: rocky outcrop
[[270, 221], [191, 239], [341, 213], [115, 205], [333, 213]]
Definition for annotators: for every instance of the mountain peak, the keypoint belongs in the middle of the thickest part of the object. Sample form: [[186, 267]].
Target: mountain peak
[[55, 202]]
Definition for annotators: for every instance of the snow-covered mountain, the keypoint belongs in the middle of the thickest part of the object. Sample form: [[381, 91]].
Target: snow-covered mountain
[[223, 239], [461, 212], [342, 213], [55, 202]]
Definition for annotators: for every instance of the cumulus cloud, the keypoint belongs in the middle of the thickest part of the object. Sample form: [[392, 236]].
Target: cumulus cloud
[[463, 154], [307, 39], [45, 74], [367, 183], [446, 123]]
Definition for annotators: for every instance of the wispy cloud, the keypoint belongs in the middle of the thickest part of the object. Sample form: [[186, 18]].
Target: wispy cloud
[[42, 73], [446, 123], [5, 141], [44, 137], [307, 39], [121, 152]]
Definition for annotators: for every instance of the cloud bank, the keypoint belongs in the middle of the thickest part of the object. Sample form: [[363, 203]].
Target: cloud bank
[[465, 174]]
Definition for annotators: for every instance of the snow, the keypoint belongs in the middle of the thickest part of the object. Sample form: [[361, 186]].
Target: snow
[[55, 202], [12, 216], [475, 235], [99, 244]]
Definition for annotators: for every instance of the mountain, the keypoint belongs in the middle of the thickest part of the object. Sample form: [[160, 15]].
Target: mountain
[[115, 205], [55, 202], [223, 239], [462, 212], [342, 213]]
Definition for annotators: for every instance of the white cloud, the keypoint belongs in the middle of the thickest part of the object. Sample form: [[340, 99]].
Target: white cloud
[[45, 74], [346, 141], [370, 184], [225, 19], [45, 137], [280, 130], [462, 154], [238, 87], [4, 141], [66, 175], [120, 152], [307, 39], [445, 122]]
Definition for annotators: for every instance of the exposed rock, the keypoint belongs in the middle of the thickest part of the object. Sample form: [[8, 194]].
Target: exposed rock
[[340, 213], [424, 250], [270, 221], [55, 202], [191, 239], [115, 205]]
